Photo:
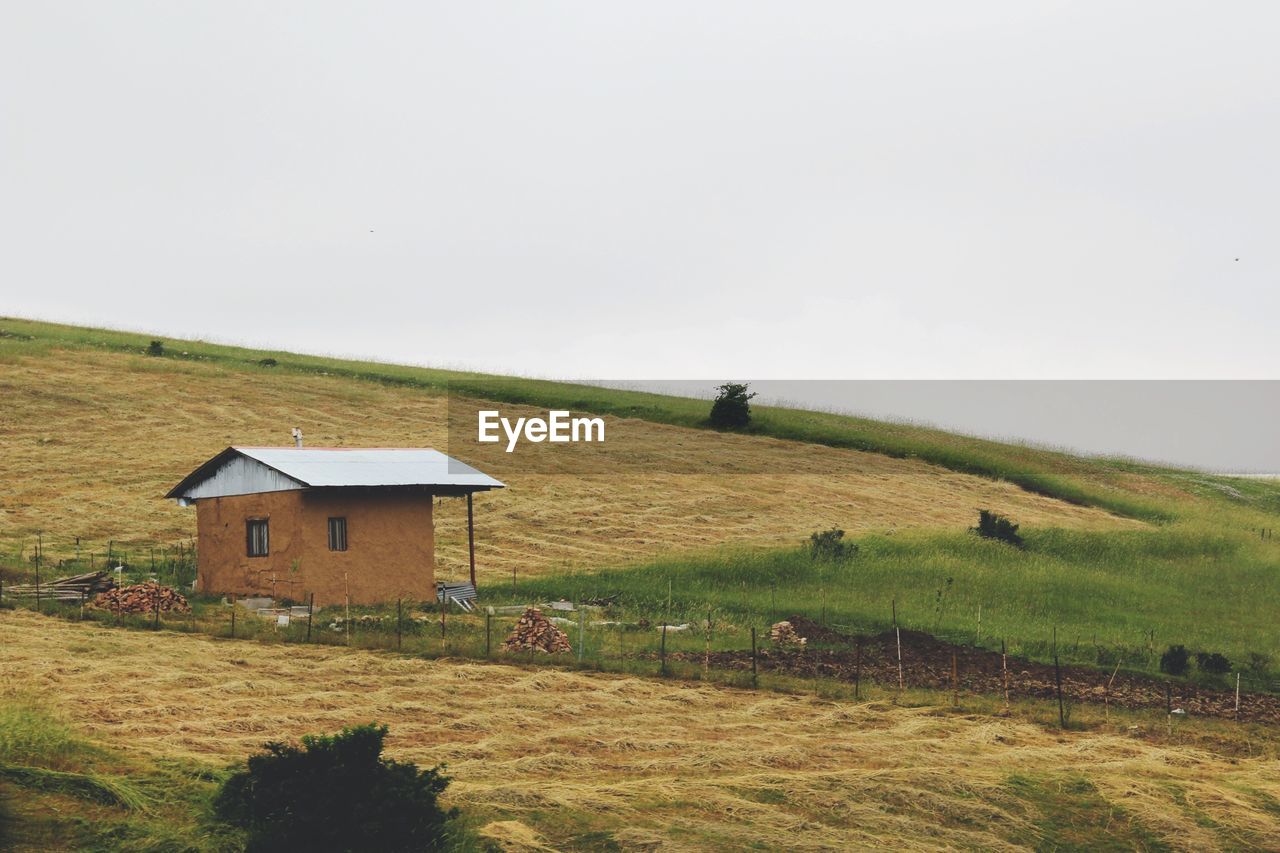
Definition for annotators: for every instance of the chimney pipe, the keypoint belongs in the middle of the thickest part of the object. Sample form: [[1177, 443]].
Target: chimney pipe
[[297, 438]]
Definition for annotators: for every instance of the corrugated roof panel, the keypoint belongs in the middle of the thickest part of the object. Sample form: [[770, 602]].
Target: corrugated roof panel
[[335, 467], [392, 466]]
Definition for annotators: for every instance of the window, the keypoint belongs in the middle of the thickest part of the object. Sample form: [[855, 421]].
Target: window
[[256, 537], [337, 534]]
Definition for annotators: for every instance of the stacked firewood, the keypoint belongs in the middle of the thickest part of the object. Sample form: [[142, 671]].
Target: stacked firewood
[[534, 632], [142, 598], [784, 634], [75, 588]]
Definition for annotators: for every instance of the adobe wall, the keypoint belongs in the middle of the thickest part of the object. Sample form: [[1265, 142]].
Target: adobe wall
[[390, 546]]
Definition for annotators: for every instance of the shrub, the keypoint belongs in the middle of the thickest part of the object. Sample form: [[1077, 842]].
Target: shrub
[[1213, 663], [156, 348], [336, 793], [992, 525], [830, 545], [1175, 660], [1258, 665], [267, 362], [731, 407]]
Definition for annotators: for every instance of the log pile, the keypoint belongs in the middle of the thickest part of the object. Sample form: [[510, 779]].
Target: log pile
[[534, 632], [74, 588], [784, 634], [142, 598]]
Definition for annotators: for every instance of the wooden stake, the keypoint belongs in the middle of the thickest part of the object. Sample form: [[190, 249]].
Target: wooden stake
[[1057, 677], [346, 619], [488, 627], [857, 669], [1237, 696], [663, 650], [754, 672], [39, 542], [233, 615], [1004, 669], [978, 637], [898, 635], [706, 656], [582, 630], [1106, 696], [471, 538], [399, 622], [311, 609], [955, 679]]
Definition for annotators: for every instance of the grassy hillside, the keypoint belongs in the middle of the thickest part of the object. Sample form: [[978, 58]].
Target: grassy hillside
[[1138, 491], [93, 438], [582, 761]]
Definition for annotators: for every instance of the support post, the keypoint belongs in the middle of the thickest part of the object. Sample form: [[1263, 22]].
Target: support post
[[38, 544], [857, 671], [399, 623], [488, 629], [311, 612], [471, 537], [663, 652], [753, 657]]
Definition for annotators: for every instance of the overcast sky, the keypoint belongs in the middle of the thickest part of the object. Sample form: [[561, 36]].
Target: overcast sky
[[780, 190]]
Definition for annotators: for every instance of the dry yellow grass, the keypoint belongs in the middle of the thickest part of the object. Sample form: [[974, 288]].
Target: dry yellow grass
[[548, 755], [92, 440]]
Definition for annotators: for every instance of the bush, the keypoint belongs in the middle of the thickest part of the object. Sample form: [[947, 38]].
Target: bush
[[830, 545], [992, 525], [731, 407], [1213, 663], [156, 348], [1175, 660], [336, 793], [1258, 665], [267, 362]]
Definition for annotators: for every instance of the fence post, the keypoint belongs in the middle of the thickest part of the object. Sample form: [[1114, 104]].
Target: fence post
[[155, 616], [1004, 671], [955, 679], [311, 609], [663, 650], [38, 571], [582, 627], [754, 673], [1237, 697], [488, 627], [233, 615], [399, 622], [857, 670], [897, 633], [1057, 680]]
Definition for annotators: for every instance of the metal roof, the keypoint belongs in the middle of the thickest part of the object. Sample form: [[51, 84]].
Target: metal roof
[[360, 467]]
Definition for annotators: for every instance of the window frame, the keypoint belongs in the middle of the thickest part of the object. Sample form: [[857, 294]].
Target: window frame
[[341, 529], [249, 525]]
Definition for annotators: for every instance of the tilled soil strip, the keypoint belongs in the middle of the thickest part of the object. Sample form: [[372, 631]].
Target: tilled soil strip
[[926, 663]]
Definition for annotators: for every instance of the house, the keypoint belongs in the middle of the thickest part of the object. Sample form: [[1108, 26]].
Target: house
[[334, 522]]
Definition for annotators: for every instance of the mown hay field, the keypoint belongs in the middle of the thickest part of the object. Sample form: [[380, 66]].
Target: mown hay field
[[587, 760], [91, 440]]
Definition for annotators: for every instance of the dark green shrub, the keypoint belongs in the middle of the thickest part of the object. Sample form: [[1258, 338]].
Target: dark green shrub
[[267, 362], [156, 348], [1258, 665], [992, 525], [1175, 660], [1213, 663], [830, 545], [731, 407], [337, 793]]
